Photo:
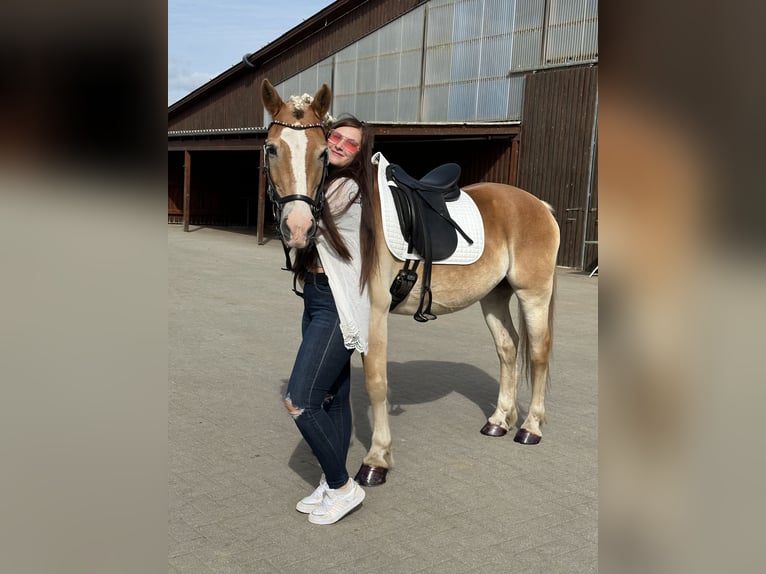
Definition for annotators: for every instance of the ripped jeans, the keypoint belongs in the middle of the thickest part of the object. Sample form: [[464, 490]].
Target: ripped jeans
[[320, 384]]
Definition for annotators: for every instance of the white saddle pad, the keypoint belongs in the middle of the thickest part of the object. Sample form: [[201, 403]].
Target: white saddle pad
[[463, 211]]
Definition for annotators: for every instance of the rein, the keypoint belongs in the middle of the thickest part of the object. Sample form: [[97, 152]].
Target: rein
[[279, 201]]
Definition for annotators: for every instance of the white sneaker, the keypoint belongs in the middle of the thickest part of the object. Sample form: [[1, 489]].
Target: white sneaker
[[336, 504], [313, 500]]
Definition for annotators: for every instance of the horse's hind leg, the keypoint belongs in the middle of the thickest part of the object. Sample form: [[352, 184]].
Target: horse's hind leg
[[537, 338], [497, 314]]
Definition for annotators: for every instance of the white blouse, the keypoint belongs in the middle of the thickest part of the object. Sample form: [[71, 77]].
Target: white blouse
[[353, 306]]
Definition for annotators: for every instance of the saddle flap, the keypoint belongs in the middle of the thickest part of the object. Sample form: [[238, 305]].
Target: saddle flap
[[437, 231], [403, 211]]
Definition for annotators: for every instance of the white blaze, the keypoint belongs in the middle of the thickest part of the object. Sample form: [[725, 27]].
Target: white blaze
[[297, 214], [297, 141]]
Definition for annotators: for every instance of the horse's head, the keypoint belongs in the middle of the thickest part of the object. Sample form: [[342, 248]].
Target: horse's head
[[295, 156]]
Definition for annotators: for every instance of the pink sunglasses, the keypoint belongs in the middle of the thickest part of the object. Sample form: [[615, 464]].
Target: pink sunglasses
[[349, 145]]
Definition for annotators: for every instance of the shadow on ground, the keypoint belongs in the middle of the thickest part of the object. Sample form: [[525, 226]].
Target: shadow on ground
[[410, 383]]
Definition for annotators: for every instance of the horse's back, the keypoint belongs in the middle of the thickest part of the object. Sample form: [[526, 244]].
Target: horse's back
[[513, 208], [507, 201], [524, 224]]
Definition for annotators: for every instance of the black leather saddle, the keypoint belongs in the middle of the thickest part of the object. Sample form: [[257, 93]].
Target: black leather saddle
[[428, 228]]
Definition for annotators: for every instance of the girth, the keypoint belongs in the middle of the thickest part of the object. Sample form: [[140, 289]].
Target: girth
[[426, 225]]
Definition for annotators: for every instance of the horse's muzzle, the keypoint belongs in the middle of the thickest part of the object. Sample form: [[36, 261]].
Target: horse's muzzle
[[298, 234]]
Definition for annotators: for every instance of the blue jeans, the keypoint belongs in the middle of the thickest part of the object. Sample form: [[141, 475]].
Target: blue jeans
[[320, 384]]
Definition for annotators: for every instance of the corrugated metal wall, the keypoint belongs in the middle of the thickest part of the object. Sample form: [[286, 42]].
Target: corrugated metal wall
[[378, 78], [557, 154], [454, 60], [572, 29]]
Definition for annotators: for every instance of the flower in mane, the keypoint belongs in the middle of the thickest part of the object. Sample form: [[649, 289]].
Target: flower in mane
[[299, 103]]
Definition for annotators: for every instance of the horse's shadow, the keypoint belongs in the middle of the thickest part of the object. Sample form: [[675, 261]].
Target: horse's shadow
[[410, 383]]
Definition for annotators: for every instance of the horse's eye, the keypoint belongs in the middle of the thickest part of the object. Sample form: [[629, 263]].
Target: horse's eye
[[271, 149], [324, 156]]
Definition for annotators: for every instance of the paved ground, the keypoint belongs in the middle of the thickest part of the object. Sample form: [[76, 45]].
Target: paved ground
[[456, 502]]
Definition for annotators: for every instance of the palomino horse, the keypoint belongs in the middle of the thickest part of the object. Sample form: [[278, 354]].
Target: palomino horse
[[521, 243]]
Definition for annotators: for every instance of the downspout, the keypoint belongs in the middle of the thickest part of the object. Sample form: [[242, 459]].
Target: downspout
[[591, 175]]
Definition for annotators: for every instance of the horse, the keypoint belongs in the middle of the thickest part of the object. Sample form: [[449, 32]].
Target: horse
[[521, 241]]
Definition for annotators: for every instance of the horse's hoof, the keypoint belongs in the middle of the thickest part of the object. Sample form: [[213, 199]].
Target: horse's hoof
[[523, 436], [371, 475], [491, 429]]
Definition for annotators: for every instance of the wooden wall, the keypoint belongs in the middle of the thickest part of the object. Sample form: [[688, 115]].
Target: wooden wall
[[557, 159]]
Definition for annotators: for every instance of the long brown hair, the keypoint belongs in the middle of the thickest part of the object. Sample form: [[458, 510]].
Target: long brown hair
[[360, 170]]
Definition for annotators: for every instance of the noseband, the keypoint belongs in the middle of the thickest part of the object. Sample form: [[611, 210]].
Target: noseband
[[279, 201]]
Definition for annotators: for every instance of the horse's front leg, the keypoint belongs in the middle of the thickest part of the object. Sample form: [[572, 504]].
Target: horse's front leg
[[379, 459]]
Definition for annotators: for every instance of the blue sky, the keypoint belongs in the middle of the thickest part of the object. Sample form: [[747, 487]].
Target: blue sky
[[207, 37]]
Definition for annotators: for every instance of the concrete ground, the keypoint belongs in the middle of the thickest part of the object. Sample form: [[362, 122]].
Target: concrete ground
[[456, 501]]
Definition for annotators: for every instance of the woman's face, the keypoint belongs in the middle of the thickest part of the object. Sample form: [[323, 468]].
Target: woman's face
[[343, 143]]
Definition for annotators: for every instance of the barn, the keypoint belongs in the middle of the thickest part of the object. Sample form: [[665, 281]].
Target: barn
[[507, 89]]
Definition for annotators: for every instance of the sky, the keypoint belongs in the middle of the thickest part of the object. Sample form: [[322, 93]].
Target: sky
[[207, 37]]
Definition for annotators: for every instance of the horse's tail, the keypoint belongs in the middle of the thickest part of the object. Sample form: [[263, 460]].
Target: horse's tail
[[551, 312], [524, 351]]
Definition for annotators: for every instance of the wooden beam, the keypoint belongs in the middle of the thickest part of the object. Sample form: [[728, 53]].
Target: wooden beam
[[444, 131], [187, 188], [218, 144], [514, 175]]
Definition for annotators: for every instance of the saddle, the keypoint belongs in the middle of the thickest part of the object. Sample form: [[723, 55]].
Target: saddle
[[426, 225]]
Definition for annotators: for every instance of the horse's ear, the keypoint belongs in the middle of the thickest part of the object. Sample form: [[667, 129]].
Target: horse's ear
[[322, 100], [270, 98]]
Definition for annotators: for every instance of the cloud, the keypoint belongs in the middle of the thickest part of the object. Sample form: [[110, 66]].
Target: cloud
[[183, 80]]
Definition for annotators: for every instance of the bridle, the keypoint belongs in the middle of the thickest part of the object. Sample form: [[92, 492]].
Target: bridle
[[278, 201]]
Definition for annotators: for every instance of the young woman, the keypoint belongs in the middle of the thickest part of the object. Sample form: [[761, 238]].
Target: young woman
[[335, 320]]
